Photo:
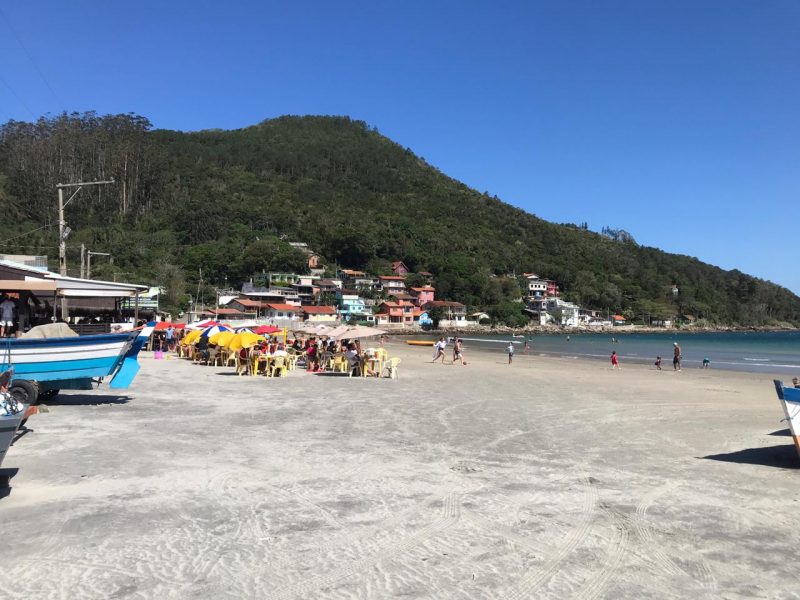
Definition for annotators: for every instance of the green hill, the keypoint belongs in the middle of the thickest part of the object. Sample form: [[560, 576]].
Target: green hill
[[226, 202]]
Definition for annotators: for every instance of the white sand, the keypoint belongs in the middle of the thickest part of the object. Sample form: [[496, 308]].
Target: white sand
[[552, 478]]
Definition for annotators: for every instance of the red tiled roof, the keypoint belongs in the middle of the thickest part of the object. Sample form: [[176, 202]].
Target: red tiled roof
[[427, 288], [392, 277], [399, 304], [426, 273], [228, 311], [319, 310], [618, 318], [247, 302], [283, 307]]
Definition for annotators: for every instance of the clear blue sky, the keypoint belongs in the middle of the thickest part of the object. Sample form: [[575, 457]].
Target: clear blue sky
[[677, 121]]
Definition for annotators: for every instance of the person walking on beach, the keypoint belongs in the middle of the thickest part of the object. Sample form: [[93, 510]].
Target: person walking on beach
[[614, 360], [526, 347], [510, 350], [439, 350], [706, 362], [658, 363], [169, 338], [676, 357], [458, 355]]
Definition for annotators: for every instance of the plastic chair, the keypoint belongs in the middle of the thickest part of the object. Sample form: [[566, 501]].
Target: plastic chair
[[279, 365], [391, 368]]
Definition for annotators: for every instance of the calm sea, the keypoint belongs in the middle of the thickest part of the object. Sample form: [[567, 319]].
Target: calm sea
[[773, 352]]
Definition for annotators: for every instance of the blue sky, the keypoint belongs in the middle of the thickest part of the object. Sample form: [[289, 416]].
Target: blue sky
[[676, 121]]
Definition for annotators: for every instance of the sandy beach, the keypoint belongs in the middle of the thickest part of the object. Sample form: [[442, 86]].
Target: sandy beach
[[551, 478]]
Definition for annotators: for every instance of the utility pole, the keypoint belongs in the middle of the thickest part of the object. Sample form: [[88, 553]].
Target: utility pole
[[83, 261], [64, 231], [89, 256]]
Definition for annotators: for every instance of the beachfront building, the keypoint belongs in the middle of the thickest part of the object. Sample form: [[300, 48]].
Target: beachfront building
[[395, 313], [563, 313], [422, 295], [276, 295], [455, 312], [618, 320], [399, 268], [392, 283], [422, 318], [244, 305], [288, 312], [316, 314]]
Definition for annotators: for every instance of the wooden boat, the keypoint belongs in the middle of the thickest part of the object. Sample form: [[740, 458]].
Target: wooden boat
[[790, 401], [49, 364], [8, 429], [420, 342]]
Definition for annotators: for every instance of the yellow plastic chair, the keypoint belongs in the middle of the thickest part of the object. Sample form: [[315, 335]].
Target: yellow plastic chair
[[278, 365]]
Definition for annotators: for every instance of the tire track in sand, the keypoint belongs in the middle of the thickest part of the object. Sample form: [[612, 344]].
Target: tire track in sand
[[450, 515], [534, 578], [597, 582], [654, 552]]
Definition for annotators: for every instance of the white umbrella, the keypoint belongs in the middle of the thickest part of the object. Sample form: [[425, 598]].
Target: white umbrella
[[351, 332], [310, 329]]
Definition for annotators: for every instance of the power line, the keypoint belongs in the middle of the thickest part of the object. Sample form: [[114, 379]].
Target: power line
[[3, 242], [32, 61], [19, 98]]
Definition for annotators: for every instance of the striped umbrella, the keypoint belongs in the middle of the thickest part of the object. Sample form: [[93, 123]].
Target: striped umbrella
[[209, 331]]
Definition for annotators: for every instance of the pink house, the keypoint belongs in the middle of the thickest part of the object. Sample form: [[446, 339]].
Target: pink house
[[399, 268], [423, 295]]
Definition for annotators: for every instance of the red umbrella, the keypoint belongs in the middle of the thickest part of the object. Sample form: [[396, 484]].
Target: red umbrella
[[162, 325], [263, 329]]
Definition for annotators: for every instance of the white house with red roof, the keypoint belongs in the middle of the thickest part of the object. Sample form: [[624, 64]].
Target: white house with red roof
[[320, 313]]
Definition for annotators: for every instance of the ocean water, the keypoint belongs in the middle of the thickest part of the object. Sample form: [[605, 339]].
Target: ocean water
[[758, 352]]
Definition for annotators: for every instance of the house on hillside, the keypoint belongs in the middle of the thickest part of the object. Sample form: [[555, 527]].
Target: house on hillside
[[392, 283], [399, 268], [428, 277], [422, 295], [313, 259], [540, 288], [351, 306], [320, 313], [358, 280]]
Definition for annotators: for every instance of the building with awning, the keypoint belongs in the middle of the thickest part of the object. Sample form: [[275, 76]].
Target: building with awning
[[50, 290]]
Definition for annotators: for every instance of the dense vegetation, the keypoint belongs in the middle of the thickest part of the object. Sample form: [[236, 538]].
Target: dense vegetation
[[226, 203]]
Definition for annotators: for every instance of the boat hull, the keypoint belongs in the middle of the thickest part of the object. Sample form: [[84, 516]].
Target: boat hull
[[790, 401], [55, 359], [8, 430]]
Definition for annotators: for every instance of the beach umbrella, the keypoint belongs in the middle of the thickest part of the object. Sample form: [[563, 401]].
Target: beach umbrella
[[164, 325], [309, 329], [202, 324], [263, 329], [191, 337], [246, 339], [215, 329], [351, 332], [221, 338]]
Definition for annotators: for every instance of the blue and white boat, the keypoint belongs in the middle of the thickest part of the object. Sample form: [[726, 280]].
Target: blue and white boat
[[790, 400], [9, 423], [49, 364]]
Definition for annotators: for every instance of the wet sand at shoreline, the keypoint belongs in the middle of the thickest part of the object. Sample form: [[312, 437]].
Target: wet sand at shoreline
[[551, 478]]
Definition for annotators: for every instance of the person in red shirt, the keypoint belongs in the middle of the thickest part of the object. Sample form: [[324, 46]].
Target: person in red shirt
[[614, 360]]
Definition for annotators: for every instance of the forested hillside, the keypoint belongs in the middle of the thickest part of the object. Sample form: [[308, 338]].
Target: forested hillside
[[226, 202]]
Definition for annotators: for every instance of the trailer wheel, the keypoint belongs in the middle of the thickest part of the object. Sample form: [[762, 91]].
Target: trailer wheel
[[24, 391]]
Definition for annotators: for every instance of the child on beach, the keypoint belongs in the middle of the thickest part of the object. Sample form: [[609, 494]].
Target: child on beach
[[614, 360], [510, 351], [658, 363]]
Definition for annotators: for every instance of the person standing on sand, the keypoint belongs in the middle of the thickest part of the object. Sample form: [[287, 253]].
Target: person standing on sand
[[526, 347], [614, 360], [676, 357], [458, 355], [658, 363], [706, 362], [510, 351], [439, 350]]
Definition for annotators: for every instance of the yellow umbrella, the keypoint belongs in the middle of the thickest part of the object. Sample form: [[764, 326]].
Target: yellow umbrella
[[221, 338], [245, 339], [191, 337]]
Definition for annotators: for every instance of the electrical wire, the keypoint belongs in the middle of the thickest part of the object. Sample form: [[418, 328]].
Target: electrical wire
[[4, 242], [30, 58]]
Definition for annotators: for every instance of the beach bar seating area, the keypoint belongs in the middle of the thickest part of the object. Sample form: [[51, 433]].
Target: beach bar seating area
[[269, 351]]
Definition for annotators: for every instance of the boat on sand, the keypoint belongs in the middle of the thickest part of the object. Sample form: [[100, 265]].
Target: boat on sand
[[790, 401]]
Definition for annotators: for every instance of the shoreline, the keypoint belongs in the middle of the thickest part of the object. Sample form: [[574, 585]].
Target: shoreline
[[551, 330]]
